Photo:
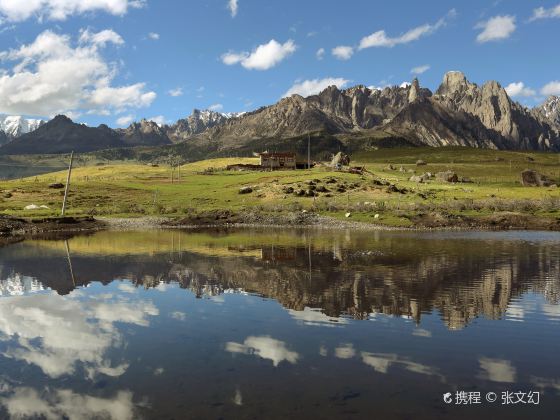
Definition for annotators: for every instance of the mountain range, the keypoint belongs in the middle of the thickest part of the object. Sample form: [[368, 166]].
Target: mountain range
[[458, 113], [12, 126]]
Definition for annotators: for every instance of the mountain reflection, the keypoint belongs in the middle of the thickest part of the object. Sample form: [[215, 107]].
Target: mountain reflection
[[338, 274]]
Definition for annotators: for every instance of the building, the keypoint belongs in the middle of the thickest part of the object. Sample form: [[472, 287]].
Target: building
[[285, 160]]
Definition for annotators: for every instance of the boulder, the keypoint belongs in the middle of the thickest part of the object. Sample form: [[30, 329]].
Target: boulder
[[56, 186], [531, 178], [245, 190], [420, 162], [340, 159], [416, 178], [447, 176]]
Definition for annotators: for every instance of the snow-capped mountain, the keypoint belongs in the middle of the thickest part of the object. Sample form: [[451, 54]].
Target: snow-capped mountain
[[198, 122], [14, 125], [550, 109]]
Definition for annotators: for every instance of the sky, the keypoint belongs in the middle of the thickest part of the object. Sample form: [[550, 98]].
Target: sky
[[117, 61]]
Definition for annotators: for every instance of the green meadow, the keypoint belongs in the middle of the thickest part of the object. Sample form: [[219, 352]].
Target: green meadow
[[132, 189]]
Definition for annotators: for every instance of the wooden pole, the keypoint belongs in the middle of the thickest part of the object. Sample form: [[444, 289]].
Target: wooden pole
[[67, 184], [308, 151]]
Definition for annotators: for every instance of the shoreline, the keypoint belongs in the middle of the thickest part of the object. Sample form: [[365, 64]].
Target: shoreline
[[14, 229]]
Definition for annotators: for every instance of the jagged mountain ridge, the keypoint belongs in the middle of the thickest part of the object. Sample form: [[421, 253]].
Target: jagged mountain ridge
[[459, 113], [196, 123]]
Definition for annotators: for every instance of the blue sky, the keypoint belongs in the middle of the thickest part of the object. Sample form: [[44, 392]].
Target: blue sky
[[114, 61]]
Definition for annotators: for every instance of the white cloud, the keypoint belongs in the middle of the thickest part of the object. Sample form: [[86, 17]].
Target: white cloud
[[496, 28], [20, 10], [122, 97], [420, 69], [176, 92], [125, 121], [153, 35], [263, 57], [233, 7], [266, 348], [519, 89], [51, 75], [320, 53], [216, 107], [312, 87], [179, 316], [159, 120], [542, 13], [343, 52], [552, 88], [101, 38], [380, 38]]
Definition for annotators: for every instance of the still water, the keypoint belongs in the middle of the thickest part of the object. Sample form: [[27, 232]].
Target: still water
[[281, 324]]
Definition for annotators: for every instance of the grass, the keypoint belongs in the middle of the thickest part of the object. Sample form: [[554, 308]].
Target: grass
[[132, 189]]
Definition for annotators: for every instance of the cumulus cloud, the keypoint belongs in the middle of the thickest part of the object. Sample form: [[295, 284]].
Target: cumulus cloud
[[320, 53], [420, 69], [312, 87], [54, 75], [552, 88], [125, 121], [380, 38], [216, 107], [175, 92], [343, 52], [153, 35], [542, 13], [17, 11], [233, 7], [519, 89], [263, 57], [496, 28]]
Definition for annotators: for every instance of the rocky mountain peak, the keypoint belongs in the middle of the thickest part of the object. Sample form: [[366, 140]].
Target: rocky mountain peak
[[414, 90], [550, 110], [453, 81]]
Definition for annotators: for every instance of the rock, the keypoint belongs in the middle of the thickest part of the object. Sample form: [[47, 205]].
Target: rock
[[245, 190], [310, 193], [348, 215], [31, 207], [376, 216], [340, 159], [56, 185], [288, 190], [417, 179], [531, 178], [7, 195], [466, 180], [420, 162], [322, 188], [299, 193], [390, 167], [447, 176]]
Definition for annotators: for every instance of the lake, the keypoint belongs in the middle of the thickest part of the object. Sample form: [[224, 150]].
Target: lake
[[276, 323]]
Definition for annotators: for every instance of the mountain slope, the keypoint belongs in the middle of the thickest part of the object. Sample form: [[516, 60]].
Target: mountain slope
[[143, 133], [196, 123], [61, 135]]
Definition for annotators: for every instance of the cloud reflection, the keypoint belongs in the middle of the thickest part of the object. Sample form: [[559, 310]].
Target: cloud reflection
[[55, 332], [497, 370], [62, 403], [264, 347]]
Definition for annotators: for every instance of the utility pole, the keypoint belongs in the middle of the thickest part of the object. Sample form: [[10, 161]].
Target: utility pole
[[308, 151], [67, 184]]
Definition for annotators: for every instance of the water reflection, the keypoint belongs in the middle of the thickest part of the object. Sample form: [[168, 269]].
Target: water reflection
[[320, 280], [275, 324]]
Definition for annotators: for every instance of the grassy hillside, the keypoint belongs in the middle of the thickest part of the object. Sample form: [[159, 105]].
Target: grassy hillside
[[138, 189]]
